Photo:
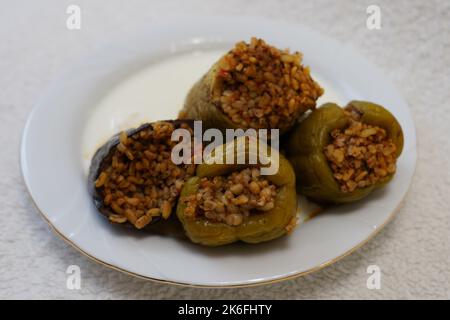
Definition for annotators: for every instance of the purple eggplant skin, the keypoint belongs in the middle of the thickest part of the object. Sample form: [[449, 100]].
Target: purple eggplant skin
[[103, 156]]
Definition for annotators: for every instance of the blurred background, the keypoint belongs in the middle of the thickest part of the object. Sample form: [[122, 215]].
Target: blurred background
[[412, 47]]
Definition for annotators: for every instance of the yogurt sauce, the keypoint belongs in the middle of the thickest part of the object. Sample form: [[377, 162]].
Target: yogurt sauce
[[156, 93]]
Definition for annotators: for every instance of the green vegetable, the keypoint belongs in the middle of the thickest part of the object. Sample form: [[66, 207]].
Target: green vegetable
[[199, 104], [258, 227], [305, 149]]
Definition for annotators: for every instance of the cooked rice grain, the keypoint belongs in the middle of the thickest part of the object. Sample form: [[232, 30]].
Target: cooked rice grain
[[140, 182], [230, 199], [360, 155], [260, 86]]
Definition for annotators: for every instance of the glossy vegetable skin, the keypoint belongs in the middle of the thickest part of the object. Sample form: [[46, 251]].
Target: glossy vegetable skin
[[199, 103], [103, 156], [307, 141], [258, 227]]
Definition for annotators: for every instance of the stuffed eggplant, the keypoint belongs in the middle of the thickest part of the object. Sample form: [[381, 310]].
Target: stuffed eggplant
[[255, 86], [132, 178], [225, 203], [340, 155]]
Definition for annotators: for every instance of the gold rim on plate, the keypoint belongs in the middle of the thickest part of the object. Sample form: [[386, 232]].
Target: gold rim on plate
[[246, 285]]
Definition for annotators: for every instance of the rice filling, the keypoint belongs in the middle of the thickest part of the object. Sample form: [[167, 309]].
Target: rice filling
[[360, 155], [230, 199], [139, 181], [260, 86]]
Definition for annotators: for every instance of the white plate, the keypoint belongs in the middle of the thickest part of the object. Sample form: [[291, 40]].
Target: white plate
[[127, 83]]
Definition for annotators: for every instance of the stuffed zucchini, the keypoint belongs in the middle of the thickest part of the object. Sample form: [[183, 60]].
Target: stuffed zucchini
[[342, 154], [226, 203], [132, 178], [255, 86]]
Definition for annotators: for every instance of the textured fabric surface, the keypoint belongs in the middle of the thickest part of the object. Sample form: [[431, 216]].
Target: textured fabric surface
[[412, 47]]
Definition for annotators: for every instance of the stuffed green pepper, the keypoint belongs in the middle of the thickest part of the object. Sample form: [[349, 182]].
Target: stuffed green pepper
[[225, 203], [254, 85], [341, 155]]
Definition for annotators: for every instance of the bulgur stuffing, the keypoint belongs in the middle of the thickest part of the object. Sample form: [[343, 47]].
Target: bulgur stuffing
[[260, 86], [139, 181], [360, 155], [229, 199]]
